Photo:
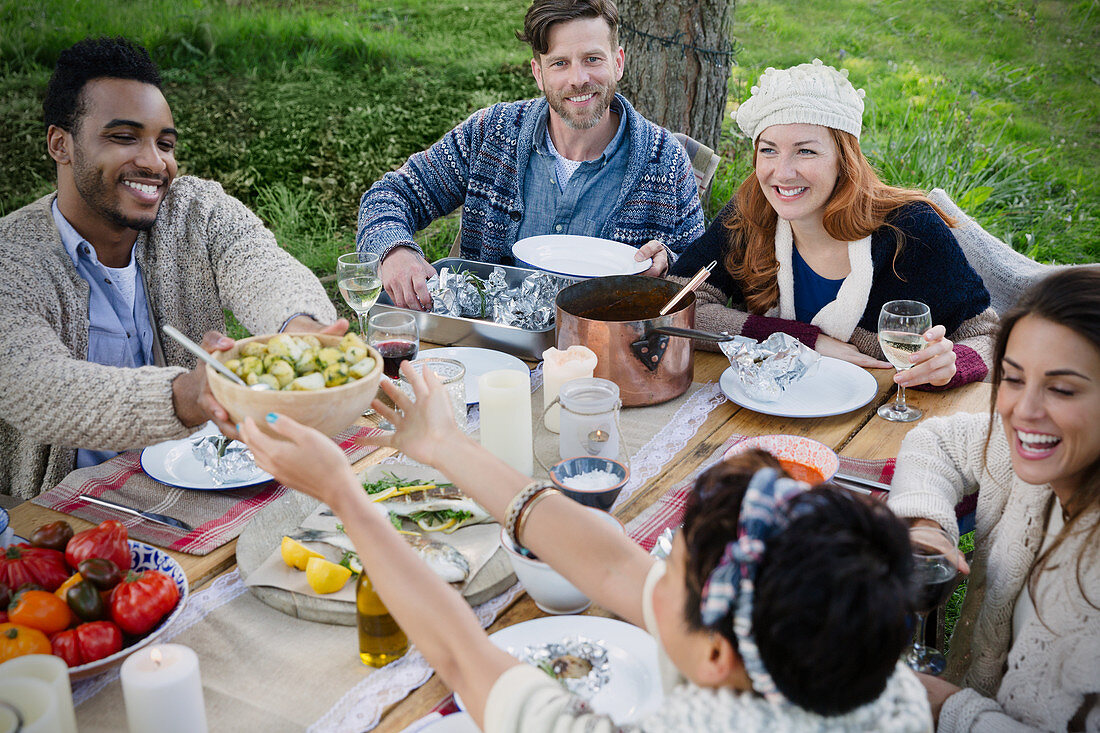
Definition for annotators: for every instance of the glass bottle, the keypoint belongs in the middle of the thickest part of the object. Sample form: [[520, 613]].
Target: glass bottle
[[381, 640]]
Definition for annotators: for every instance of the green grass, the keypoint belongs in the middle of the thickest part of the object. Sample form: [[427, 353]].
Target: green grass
[[297, 110]]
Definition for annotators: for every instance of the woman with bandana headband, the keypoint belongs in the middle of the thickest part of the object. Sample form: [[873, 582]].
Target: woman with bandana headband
[[781, 608]]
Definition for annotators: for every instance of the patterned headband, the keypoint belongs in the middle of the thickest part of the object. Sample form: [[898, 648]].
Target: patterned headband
[[730, 584]]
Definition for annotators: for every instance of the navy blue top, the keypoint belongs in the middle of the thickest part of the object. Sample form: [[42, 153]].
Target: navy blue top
[[812, 292], [931, 267]]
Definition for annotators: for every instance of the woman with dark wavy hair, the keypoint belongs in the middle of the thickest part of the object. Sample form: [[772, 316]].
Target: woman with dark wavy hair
[[1026, 650], [814, 243]]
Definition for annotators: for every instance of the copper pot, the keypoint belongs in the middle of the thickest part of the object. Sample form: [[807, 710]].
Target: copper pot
[[617, 318]]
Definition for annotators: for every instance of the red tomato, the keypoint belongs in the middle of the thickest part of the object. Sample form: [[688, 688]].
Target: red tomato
[[25, 564], [108, 540], [87, 642], [142, 599]]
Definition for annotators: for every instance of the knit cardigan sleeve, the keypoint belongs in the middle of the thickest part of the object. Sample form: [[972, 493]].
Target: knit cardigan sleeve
[[941, 461], [430, 184]]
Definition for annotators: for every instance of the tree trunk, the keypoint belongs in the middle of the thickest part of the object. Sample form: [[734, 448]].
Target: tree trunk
[[678, 60]]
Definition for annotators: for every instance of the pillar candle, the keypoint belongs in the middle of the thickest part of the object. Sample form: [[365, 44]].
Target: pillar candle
[[54, 672], [505, 403], [163, 691], [36, 702], [558, 368]]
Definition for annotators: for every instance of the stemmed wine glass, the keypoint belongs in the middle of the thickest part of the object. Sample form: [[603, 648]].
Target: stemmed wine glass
[[397, 338], [357, 278], [901, 327], [936, 561]]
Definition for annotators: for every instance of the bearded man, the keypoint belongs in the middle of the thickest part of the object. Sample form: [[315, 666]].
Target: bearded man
[[122, 247], [580, 160]]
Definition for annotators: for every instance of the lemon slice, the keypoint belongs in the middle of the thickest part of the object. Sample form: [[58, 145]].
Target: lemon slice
[[324, 576], [295, 554], [385, 494]]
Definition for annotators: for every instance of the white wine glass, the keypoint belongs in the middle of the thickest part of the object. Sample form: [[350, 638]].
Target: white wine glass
[[357, 278], [936, 561], [901, 327]]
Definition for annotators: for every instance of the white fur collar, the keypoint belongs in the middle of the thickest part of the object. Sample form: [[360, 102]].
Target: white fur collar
[[840, 317]]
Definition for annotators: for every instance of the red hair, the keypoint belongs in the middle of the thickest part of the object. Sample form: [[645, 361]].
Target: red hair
[[859, 205]]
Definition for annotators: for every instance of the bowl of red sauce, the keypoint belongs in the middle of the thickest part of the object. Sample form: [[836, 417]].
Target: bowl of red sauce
[[803, 459]]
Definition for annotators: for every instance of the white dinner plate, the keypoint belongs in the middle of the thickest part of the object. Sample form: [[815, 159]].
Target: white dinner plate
[[477, 361], [172, 463], [634, 687], [577, 256], [836, 388]]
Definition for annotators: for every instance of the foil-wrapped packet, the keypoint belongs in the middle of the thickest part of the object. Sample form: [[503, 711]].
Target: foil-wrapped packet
[[225, 460], [579, 664], [766, 368], [529, 305]]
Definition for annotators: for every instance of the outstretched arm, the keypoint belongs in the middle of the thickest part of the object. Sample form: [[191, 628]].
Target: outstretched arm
[[433, 615], [560, 531]]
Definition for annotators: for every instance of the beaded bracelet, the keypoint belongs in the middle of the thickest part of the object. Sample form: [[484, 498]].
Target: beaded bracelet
[[525, 512], [518, 502]]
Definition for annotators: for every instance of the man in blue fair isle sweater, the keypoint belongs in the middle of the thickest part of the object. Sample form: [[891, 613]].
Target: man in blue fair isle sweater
[[580, 160]]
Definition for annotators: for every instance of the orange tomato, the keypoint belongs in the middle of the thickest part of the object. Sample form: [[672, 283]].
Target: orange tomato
[[16, 641], [73, 580], [41, 610]]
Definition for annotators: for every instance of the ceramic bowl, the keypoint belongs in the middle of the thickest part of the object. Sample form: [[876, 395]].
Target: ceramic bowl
[[596, 498], [330, 410], [547, 587], [142, 557], [793, 449], [7, 535]]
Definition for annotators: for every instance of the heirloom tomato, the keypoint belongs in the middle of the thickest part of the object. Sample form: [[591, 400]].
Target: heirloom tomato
[[85, 601], [40, 610], [87, 643], [16, 641], [142, 599], [22, 564], [107, 540], [103, 573], [53, 536]]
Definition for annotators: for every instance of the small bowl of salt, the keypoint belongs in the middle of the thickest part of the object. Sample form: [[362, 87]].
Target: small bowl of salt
[[591, 480]]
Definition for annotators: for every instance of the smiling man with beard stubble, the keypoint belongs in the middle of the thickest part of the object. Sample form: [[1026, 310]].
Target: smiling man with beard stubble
[[579, 160]]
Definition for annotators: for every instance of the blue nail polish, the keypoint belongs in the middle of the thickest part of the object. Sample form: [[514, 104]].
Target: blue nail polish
[[271, 416], [238, 427]]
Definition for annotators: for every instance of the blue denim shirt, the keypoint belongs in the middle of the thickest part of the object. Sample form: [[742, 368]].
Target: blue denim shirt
[[117, 335], [589, 196]]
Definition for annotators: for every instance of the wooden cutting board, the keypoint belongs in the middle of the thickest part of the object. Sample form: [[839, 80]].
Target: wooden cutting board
[[264, 534]]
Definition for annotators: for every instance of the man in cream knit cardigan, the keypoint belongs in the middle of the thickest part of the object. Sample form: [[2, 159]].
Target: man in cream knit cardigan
[[122, 247]]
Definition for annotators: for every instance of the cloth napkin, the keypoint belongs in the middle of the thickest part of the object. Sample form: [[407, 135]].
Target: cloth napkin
[[217, 516]]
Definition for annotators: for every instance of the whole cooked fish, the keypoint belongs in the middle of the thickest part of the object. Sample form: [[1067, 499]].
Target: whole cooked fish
[[435, 499], [444, 560]]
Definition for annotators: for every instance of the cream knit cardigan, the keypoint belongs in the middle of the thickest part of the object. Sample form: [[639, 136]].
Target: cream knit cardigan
[[1050, 676], [207, 252]]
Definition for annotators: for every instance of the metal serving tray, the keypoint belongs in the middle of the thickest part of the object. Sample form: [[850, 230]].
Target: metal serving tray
[[458, 331]]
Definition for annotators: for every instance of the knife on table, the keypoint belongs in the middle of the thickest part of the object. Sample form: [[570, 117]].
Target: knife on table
[[151, 516]]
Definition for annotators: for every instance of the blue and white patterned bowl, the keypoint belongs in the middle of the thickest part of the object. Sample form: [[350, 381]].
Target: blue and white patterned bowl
[[7, 536], [142, 557]]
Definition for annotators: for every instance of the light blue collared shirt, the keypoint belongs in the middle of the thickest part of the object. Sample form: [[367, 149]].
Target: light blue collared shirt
[[586, 201], [118, 335]]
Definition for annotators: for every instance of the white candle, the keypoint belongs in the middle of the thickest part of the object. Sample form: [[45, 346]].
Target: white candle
[[559, 367], [54, 672], [163, 691], [505, 403], [36, 702]]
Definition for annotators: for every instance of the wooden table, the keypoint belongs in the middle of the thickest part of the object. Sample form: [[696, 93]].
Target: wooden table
[[858, 434]]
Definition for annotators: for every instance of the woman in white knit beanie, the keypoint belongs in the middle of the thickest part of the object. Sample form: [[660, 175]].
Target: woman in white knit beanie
[[1025, 654], [814, 243]]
